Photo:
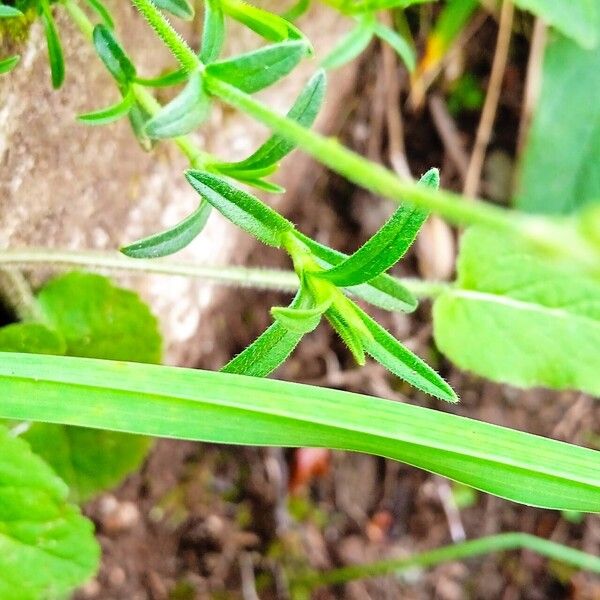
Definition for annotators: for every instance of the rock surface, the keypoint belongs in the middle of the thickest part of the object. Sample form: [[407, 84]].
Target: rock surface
[[63, 184]]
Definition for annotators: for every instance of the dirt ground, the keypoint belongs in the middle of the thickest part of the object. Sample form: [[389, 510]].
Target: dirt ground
[[203, 521]]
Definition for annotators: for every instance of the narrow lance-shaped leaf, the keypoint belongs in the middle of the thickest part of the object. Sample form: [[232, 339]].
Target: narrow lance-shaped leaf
[[172, 240], [8, 64], [242, 209], [225, 408], [183, 114], [398, 43], [271, 27], [383, 291], [110, 114], [99, 7], [138, 118], [395, 357], [259, 69], [174, 77], [297, 10], [180, 8], [351, 337], [7, 12], [304, 111], [213, 32], [386, 247], [112, 55], [271, 348], [352, 44], [55, 52], [304, 314]]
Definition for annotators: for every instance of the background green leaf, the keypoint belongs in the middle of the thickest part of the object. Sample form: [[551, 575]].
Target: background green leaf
[[213, 31], [55, 51], [31, 337], [180, 8], [46, 547], [514, 317], [560, 163]]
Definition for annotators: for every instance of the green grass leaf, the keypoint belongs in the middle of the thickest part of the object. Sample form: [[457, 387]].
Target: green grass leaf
[[55, 51], [8, 64], [180, 8], [172, 240], [304, 111], [226, 408], [48, 548], [183, 114], [113, 56], [398, 359], [520, 318], [559, 171], [242, 209], [386, 247], [352, 44], [382, 291], [259, 69], [110, 114], [213, 32]]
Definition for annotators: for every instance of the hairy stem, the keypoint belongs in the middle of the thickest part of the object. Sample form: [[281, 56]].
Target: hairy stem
[[183, 53], [262, 279], [485, 545]]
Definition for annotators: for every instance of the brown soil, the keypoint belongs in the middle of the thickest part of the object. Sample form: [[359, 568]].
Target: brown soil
[[204, 521]]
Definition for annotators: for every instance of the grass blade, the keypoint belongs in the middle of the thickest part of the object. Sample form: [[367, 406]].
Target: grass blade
[[225, 408]]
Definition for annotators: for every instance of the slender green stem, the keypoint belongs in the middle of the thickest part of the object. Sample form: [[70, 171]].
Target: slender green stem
[[185, 55], [485, 545], [80, 18], [363, 172], [262, 279], [16, 294]]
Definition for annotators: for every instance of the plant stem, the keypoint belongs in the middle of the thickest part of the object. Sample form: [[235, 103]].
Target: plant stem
[[365, 173], [262, 279], [16, 294], [485, 545], [185, 55]]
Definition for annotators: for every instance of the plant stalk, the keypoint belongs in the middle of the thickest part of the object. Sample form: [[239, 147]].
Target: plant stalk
[[260, 279], [485, 545]]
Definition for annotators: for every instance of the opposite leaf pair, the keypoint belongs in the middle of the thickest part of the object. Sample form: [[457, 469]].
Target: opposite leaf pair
[[322, 273]]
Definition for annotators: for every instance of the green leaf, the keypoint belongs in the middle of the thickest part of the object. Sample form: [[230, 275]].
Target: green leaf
[[261, 68], [7, 12], [180, 8], [577, 19], [103, 12], [168, 79], [183, 114], [8, 64], [271, 27], [297, 10], [46, 547], [138, 119], [97, 320], [233, 409], [559, 167], [260, 184], [55, 52], [213, 32], [386, 247], [352, 44], [88, 460], [100, 320], [242, 209], [113, 56], [174, 239], [108, 115], [31, 337], [304, 314], [383, 291], [398, 43], [304, 111], [520, 318], [349, 335], [398, 359]]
